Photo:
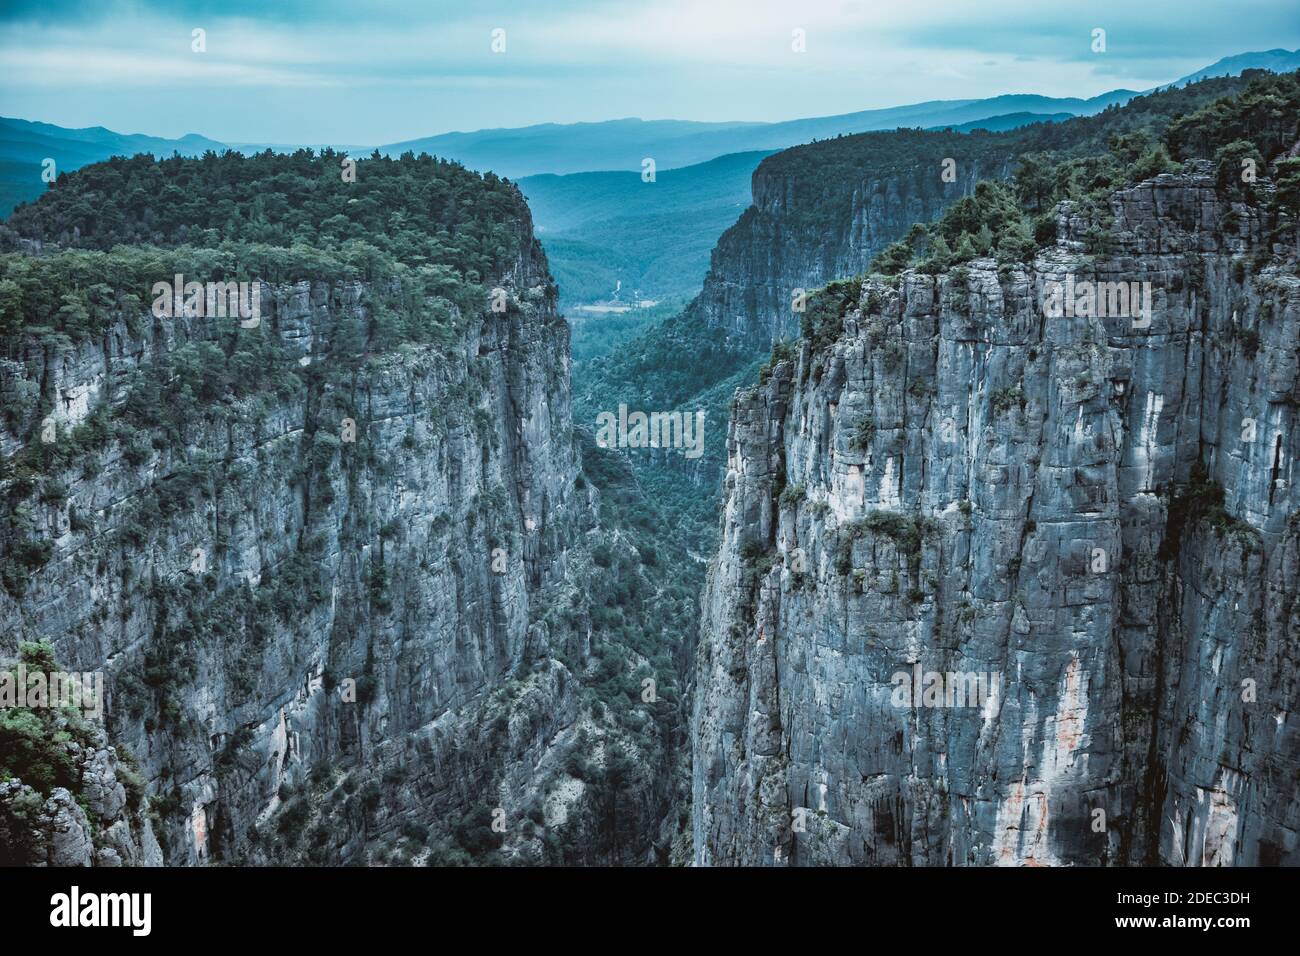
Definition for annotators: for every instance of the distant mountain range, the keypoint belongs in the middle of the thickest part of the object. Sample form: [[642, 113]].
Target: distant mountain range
[[22, 140], [597, 226], [999, 124], [24, 147], [624, 143], [1276, 61]]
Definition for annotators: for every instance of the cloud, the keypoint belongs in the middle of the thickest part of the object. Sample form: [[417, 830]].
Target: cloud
[[373, 73]]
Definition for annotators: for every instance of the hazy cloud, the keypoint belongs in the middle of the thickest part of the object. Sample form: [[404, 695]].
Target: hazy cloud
[[350, 72]]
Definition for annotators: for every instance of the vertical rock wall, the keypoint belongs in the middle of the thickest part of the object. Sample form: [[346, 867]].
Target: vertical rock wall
[[963, 486]]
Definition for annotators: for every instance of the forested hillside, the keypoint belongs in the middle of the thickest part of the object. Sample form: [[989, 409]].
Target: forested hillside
[[655, 235]]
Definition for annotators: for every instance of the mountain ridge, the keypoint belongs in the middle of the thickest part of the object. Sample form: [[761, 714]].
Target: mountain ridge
[[690, 149]]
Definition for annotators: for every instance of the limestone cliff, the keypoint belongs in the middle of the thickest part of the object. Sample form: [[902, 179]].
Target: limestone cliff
[[357, 621], [824, 210], [103, 824], [817, 216], [1099, 516]]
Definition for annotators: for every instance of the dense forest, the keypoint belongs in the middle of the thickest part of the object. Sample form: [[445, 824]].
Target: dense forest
[[1014, 220], [423, 233], [415, 209], [437, 226]]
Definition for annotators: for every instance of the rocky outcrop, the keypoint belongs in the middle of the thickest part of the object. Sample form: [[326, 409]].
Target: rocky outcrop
[[1085, 527], [106, 826], [824, 210]]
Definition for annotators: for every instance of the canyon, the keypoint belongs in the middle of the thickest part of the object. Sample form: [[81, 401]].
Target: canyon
[[366, 585]]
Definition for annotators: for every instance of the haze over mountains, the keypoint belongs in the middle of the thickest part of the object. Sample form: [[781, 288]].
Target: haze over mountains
[[24, 146], [602, 228], [624, 143], [24, 139], [1278, 61]]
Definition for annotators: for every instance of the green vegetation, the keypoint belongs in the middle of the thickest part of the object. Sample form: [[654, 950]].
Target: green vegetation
[[45, 748], [1263, 115], [414, 210], [863, 433], [907, 532], [34, 742], [823, 317], [787, 351], [1151, 135], [592, 259], [432, 233], [663, 369], [1201, 502], [1006, 398], [602, 228], [791, 496]]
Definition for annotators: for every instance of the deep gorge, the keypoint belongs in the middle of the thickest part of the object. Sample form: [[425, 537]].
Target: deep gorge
[[367, 589]]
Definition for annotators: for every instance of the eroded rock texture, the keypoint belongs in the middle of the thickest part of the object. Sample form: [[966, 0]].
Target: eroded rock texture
[[959, 482]]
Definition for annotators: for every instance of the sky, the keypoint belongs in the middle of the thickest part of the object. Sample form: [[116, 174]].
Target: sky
[[368, 73]]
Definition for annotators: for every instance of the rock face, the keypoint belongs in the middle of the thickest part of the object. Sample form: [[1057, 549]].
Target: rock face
[[809, 224], [1091, 518], [378, 635]]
